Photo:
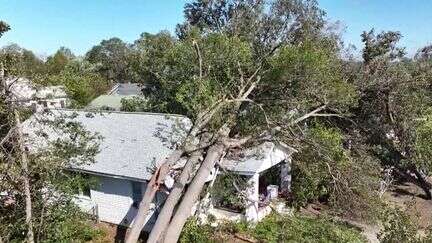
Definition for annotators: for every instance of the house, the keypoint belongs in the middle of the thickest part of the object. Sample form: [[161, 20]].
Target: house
[[108, 102], [133, 144], [113, 99], [28, 94], [126, 89]]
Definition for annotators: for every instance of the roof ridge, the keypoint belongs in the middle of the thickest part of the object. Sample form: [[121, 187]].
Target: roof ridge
[[120, 112]]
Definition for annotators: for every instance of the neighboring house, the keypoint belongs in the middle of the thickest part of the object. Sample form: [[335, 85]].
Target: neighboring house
[[108, 102], [133, 144], [31, 95], [126, 89], [112, 100]]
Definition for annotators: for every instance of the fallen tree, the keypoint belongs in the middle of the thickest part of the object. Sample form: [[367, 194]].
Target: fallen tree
[[236, 85]]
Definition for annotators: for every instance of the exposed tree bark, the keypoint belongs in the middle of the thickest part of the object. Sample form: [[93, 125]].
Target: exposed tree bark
[[285, 178], [214, 153], [151, 189], [173, 198], [423, 183], [26, 180]]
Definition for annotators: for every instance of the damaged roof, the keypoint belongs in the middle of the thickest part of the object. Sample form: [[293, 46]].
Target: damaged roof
[[257, 159]]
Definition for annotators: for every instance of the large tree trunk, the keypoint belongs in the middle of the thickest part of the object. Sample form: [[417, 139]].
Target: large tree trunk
[[418, 179], [183, 212], [423, 183], [173, 198], [152, 188], [190, 144], [26, 180]]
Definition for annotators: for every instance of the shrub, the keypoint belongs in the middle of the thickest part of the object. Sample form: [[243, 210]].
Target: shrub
[[397, 227], [224, 193], [276, 228], [193, 232]]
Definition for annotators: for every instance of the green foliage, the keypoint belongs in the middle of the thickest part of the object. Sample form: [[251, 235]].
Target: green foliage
[[275, 228], [4, 27], [58, 62], [381, 45], [20, 61], [193, 232], [67, 223], [303, 229], [423, 141], [111, 58], [278, 228], [224, 192], [323, 170], [81, 81], [221, 57], [55, 218], [397, 227], [297, 69], [391, 124], [148, 53], [135, 104]]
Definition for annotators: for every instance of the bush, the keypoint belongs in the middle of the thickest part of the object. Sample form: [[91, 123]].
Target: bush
[[397, 227], [193, 232], [225, 195], [67, 224], [276, 228]]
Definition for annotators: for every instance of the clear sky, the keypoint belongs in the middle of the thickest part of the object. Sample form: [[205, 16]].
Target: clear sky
[[45, 25]]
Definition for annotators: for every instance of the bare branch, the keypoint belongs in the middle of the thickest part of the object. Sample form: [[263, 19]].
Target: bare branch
[[197, 49], [306, 116]]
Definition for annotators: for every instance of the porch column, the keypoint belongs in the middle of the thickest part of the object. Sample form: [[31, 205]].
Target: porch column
[[285, 177], [253, 198]]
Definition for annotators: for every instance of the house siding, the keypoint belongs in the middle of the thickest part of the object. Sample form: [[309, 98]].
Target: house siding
[[114, 200]]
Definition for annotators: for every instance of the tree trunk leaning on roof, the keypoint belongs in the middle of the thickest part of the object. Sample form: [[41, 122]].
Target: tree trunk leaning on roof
[[161, 172], [174, 196], [152, 187], [183, 212]]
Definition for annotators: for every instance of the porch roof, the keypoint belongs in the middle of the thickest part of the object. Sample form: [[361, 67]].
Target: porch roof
[[258, 159]]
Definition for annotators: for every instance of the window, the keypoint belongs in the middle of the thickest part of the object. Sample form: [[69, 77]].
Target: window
[[136, 193]]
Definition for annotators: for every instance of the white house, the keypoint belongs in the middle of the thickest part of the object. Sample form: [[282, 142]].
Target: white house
[[28, 94], [133, 144]]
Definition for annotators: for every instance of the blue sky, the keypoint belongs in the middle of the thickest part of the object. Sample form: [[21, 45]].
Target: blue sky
[[45, 25]]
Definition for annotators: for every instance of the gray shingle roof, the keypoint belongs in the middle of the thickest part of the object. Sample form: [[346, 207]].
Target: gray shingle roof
[[132, 142], [126, 89]]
